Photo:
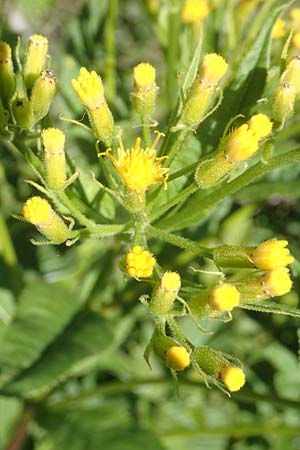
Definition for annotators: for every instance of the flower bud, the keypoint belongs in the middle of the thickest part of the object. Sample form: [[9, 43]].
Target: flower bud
[[233, 378], [279, 29], [165, 294], [271, 254], [241, 145], [140, 262], [145, 89], [35, 58], [54, 157], [7, 75], [175, 356], [283, 102], [42, 94], [261, 125], [277, 282], [224, 297], [292, 74], [194, 11], [22, 112], [212, 70], [39, 212], [232, 256], [212, 170], [89, 88]]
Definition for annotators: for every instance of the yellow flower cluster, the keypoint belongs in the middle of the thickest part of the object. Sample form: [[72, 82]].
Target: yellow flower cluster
[[140, 262], [224, 297], [194, 11], [233, 378]]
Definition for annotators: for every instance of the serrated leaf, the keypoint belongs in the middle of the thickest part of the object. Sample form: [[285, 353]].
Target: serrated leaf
[[74, 353], [271, 307], [43, 312]]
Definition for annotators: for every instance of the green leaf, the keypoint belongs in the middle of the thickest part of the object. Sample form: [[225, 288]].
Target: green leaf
[[103, 427], [10, 413], [271, 307], [194, 66], [43, 312], [264, 190], [74, 353]]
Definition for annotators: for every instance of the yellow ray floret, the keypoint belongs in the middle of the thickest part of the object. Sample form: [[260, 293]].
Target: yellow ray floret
[[143, 75], [272, 254], [89, 88], [139, 168], [233, 377], [194, 11], [279, 29], [177, 357], [242, 144], [277, 282], [140, 262], [212, 70], [261, 125], [224, 297]]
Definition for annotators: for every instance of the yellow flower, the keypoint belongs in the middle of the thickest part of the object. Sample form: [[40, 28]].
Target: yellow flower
[[177, 357], [241, 145], [295, 17], [279, 29], [212, 70], [39, 212], [272, 254], [144, 76], [194, 11], [224, 297], [55, 163], [277, 282], [233, 377], [140, 263], [144, 96], [296, 40], [261, 125], [35, 58], [170, 282], [139, 168], [89, 88]]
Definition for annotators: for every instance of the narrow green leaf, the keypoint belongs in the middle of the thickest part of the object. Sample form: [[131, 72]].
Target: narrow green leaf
[[193, 68], [43, 312], [271, 307], [74, 353]]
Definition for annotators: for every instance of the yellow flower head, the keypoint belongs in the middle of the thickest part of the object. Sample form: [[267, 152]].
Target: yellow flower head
[[224, 297], [242, 144], [233, 377], [53, 141], [272, 254], [194, 11], [279, 29], [295, 17], [177, 357], [277, 282], [212, 70], [89, 88], [139, 168], [144, 76], [140, 262], [261, 125], [170, 282], [36, 57], [38, 211], [296, 40]]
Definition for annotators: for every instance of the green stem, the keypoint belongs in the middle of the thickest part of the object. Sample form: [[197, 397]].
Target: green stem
[[110, 48], [174, 201], [185, 171], [177, 146], [146, 132], [178, 241], [82, 219], [105, 230], [172, 54]]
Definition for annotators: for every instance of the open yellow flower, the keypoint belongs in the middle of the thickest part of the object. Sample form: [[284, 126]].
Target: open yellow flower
[[139, 168]]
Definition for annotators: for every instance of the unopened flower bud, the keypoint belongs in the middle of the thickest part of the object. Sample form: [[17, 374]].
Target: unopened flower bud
[[39, 212], [212, 70], [271, 254], [277, 282], [224, 297], [165, 293], [54, 157], [35, 58], [292, 74], [175, 356], [22, 112], [7, 75], [140, 263], [284, 102], [261, 125], [194, 11], [145, 89], [42, 94], [89, 88], [233, 378]]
